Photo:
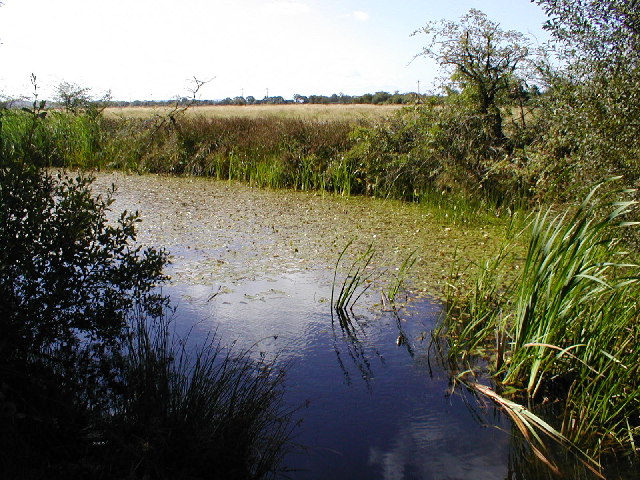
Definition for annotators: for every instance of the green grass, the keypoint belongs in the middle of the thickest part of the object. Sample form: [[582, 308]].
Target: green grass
[[356, 281], [564, 331]]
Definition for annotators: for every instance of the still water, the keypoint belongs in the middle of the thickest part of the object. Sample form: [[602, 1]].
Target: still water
[[256, 268], [371, 408]]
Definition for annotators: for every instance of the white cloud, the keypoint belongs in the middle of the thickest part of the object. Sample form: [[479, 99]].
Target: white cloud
[[360, 16]]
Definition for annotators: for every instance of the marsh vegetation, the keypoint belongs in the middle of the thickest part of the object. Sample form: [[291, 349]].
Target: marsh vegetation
[[513, 149]]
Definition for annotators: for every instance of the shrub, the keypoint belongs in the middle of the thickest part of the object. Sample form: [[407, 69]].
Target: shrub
[[91, 382], [68, 282]]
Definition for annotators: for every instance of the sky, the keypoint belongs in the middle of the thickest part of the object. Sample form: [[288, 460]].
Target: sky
[[153, 49]]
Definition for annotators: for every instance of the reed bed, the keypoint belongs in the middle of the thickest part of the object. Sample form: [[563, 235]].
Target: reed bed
[[312, 112], [344, 154], [194, 412], [564, 332]]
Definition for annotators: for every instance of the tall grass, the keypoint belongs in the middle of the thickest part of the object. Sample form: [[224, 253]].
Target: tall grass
[[174, 411], [565, 330], [344, 156], [51, 138], [195, 413], [356, 282]]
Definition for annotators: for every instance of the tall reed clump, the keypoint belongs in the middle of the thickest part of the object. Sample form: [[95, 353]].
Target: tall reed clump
[[51, 138], [185, 412], [565, 330]]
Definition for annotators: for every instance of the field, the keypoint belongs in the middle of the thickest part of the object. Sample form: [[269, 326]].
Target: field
[[302, 112]]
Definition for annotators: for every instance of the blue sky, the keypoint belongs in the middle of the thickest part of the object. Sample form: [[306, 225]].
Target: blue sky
[[150, 49]]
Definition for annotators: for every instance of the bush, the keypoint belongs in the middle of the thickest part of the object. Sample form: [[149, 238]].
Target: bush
[[443, 147], [68, 282], [91, 382]]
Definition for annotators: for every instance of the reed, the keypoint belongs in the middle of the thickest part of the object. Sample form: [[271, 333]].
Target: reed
[[400, 277], [50, 138], [563, 330], [187, 412], [356, 282], [343, 156]]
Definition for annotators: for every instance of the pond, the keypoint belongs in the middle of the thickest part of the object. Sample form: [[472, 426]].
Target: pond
[[256, 268]]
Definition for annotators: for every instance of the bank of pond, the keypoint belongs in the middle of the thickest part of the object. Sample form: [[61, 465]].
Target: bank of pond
[[476, 340]]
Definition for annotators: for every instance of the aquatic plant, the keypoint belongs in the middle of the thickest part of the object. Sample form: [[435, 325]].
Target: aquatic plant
[[187, 411], [356, 282], [401, 276], [563, 331]]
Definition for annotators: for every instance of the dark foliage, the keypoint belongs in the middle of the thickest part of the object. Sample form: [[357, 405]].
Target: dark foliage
[[68, 282], [92, 382]]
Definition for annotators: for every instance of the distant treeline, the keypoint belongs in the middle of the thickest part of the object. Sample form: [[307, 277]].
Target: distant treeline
[[378, 98]]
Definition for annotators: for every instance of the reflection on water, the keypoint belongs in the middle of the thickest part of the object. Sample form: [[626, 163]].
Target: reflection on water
[[373, 408], [256, 267]]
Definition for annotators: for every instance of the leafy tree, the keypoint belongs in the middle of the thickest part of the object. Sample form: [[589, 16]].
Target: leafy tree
[[72, 97], [482, 60], [69, 280], [380, 97], [596, 30], [76, 99], [594, 100], [366, 98]]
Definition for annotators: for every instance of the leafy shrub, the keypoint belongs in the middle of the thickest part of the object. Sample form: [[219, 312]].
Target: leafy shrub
[[68, 282], [92, 384]]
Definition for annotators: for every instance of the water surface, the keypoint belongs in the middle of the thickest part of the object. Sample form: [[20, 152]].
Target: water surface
[[256, 267]]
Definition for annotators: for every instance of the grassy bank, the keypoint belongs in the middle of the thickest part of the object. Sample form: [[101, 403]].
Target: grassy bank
[[348, 154]]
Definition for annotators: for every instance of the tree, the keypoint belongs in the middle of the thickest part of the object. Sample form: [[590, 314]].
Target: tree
[[595, 98], [380, 97], [76, 99], [69, 279], [481, 58], [72, 97], [598, 30]]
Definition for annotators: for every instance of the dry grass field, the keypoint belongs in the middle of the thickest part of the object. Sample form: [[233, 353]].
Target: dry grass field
[[302, 111]]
